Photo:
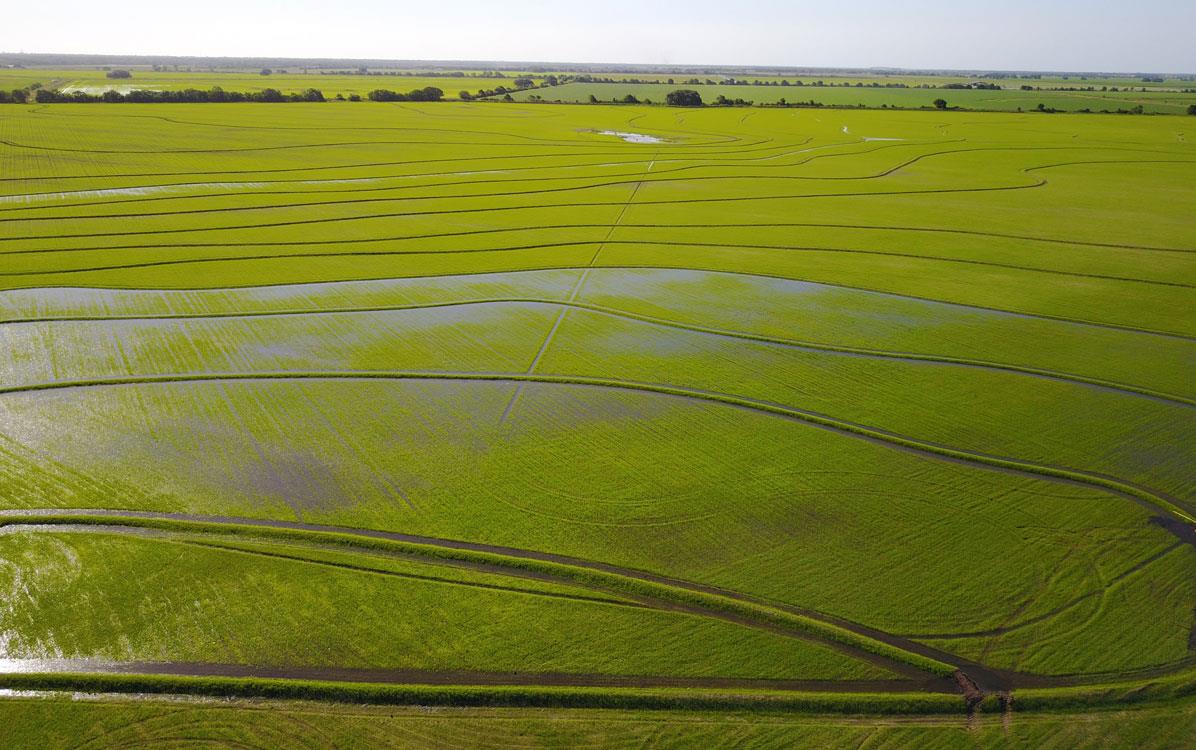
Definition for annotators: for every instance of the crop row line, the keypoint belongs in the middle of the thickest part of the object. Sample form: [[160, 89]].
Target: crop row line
[[335, 191], [503, 194], [333, 144], [724, 138], [488, 209], [674, 157], [622, 225], [360, 165]]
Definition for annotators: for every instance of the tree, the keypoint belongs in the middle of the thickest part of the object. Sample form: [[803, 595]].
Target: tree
[[524, 82], [426, 94], [630, 99], [465, 96], [118, 74], [266, 71], [593, 99], [313, 95], [940, 103], [1192, 109], [684, 98]]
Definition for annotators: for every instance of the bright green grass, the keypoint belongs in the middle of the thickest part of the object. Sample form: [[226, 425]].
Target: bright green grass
[[651, 496], [114, 722], [1028, 646], [196, 603], [987, 411], [820, 315], [1011, 285], [1089, 203]]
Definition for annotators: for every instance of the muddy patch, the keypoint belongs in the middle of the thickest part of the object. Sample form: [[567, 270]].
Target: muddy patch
[[1184, 531]]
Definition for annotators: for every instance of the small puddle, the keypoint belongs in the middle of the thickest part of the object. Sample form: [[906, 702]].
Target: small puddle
[[183, 187], [632, 137], [135, 191], [846, 131]]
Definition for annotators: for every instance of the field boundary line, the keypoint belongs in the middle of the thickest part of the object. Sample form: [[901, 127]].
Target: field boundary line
[[584, 573], [709, 164], [454, 211], [821, 347], [650, 267], [754, 702], [630, 175], [580, 243]]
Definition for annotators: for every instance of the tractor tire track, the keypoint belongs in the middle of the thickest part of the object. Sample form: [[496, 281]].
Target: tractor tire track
[[1054, 612]]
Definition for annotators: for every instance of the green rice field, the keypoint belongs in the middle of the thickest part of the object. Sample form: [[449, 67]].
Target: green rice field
[[594, 424]]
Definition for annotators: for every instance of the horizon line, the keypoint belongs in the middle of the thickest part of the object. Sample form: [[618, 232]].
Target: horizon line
[[518, 65]]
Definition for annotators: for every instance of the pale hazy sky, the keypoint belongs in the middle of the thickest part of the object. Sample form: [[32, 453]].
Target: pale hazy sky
[[1141, 36]]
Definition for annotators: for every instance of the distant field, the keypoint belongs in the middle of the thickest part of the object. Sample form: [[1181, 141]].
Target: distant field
[[96, 81], [719, 412], [1007, 99], [1166, 97]]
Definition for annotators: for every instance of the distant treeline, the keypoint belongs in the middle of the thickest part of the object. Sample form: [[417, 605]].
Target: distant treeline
[[199, 96], [426, 94], [363, 71]]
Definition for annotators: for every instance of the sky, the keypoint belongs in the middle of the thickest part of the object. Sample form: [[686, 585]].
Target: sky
[[1068, 35]]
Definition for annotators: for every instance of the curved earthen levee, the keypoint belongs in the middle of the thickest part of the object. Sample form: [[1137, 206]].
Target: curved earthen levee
[[830, 348]]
